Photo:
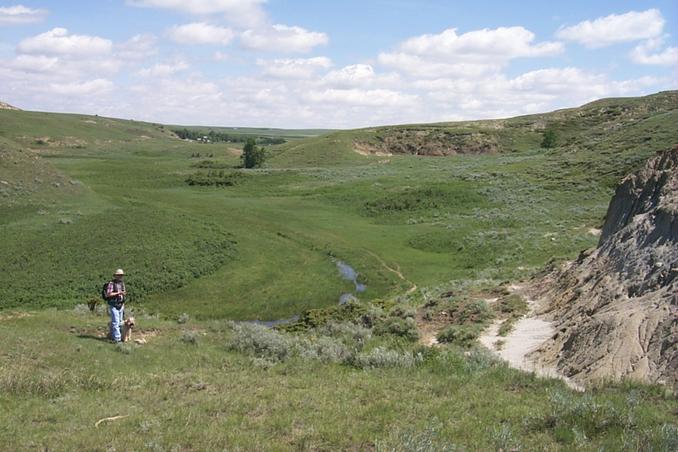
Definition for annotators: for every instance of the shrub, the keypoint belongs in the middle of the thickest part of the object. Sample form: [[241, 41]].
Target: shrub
[[190, 337], [481, 359], [463, 335], [372, 316], [382, 357], [350, 332], [403, 312], [463, 312], [417, 441], [396, 326], [324, 349], [183, 318], [503, 438], [549, 140], [258, 340], [215, 178], [573, 416], [252, 156], [663, 439]]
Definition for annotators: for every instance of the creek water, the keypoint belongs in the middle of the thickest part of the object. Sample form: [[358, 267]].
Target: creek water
[[346, 272]]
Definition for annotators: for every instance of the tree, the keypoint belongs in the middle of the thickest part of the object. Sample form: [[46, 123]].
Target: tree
[[549, 140], [252, 156]]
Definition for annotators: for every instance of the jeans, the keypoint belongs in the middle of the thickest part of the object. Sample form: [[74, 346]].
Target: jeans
[[117, 316]]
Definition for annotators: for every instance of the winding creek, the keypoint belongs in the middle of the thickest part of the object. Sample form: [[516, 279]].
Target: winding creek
[[346, 272]]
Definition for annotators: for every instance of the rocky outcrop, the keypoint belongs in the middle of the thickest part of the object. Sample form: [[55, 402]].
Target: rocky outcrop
[[616, 307], [4, 106], [427, 141]]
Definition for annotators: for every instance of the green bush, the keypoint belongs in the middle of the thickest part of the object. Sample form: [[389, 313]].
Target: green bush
[[462, 335], [549, 140], [260, 341], [459, 197], [396, 326], [190, 337], [214, 178], [383, 357], [252, 156]]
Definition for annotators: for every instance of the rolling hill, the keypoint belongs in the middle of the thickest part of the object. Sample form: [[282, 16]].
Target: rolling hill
[[424, 229]]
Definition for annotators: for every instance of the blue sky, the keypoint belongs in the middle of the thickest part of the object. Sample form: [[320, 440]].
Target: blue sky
[[330, 64]]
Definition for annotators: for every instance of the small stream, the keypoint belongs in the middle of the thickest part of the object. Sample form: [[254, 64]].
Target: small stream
[[347, 272]]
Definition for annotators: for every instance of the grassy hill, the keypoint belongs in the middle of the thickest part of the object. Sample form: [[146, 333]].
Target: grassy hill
[[198, 386], [263, 248], [629, 125], [429, 237]]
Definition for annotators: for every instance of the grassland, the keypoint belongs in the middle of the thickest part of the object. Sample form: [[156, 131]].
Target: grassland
[[484, 218], [82, 195], [187, 389]]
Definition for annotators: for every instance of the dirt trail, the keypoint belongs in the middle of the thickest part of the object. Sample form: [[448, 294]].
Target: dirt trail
[[528, 334], [397, 272]]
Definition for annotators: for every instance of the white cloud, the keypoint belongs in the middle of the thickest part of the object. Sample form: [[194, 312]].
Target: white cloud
[[245, 12], [503, 43], [282, 38], [615, 28], [96, 86], [34, 63], [470, 54], [19, 14], [418, 66], [201, 33], [174, 99], [361, 76], [365, 98], [220, 56], [649, 52], [137, 48], [163, 69], [534, 91], [59, 42], [294, 68]]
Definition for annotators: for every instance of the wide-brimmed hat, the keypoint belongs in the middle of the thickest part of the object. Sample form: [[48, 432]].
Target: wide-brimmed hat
[[119, 272]]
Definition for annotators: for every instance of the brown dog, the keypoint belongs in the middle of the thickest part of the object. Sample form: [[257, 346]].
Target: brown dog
[[128, 326]]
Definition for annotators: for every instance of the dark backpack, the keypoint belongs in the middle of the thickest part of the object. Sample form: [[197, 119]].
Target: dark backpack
[[104, 291]]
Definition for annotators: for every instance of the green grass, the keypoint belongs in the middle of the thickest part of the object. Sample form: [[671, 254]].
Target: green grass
[[465, 218], [183, 389], [84, 195]]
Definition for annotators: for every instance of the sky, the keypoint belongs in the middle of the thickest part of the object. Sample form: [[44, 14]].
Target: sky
[[330, 64]]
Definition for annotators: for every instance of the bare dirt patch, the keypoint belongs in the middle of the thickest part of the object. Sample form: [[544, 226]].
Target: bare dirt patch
[[14, 315], [528, 335]]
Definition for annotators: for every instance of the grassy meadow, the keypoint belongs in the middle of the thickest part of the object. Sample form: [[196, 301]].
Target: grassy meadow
[[83, 195]]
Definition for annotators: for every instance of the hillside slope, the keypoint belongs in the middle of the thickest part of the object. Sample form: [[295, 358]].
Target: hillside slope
[[5, 106], [595, 127], [616, 307]]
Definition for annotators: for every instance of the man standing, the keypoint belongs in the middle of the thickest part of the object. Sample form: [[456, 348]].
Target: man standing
[[115, 296]]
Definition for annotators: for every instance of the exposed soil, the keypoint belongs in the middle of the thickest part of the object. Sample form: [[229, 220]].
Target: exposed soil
[[616, 307], [529, 333], [427, 141]]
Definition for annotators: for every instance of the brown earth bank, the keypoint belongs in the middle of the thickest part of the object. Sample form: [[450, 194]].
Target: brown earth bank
[[607, 118], [4, 106], [434, 142], [615, 309]]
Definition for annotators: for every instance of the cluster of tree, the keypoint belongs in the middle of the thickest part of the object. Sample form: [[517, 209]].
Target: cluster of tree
[[215, 137], [214, 178], [252, 156], [212, 164], [550, 139]]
